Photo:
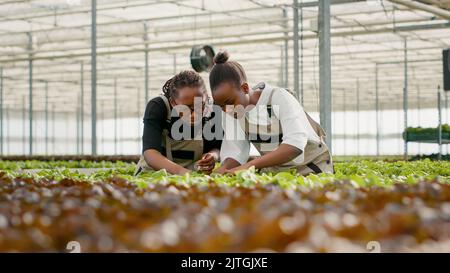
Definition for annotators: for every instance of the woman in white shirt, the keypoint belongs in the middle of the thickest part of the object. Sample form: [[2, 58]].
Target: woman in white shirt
[[268, 117]]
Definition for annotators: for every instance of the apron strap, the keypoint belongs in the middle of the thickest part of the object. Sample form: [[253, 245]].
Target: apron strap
[[269, 110], [168, 147], [166, 135], [268, 107], [314, 167], [316, 126], [269, 101], [138, 171], [166, 102]]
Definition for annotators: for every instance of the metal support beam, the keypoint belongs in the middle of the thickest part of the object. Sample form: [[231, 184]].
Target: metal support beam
[[399, 125], [377, 111], [24, 125], [286, 51], [358, 133], [66, 123], [78, 122], [447, 120], [1, 111], [82, 105], [146, 60], [164, 47], [129, 4], [138, 106], [53, 130], [120, 132], [446, 107], [344, 123], [301, 55], [418, 105], [417, 5], [439, 103], [102, 130], [8, 130], [325, 69], [46, 118], [418, 113], [281, 75], [296, 61], [115, 116], [94, 77], [405, 96], [30, 84], [175, 63]]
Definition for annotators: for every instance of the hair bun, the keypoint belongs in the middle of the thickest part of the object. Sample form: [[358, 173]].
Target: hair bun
[[221, 57]]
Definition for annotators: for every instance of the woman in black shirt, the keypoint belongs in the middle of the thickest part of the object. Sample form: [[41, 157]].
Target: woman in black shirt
[[178, 150]]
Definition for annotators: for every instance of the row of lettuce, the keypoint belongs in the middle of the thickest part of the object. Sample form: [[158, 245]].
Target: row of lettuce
[[55, 164], [358, 173]]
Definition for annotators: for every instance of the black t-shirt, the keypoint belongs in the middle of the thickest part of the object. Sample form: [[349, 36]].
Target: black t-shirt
[[155, 121]]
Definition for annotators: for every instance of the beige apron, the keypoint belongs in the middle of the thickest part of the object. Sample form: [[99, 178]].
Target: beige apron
[[266, 138], [182, 152]]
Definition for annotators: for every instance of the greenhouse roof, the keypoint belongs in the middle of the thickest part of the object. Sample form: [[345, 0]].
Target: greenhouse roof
[[366, 36]]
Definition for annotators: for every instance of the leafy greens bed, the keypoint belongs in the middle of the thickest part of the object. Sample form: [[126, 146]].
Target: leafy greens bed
[[359, 173], [55, 164], [403, 206]]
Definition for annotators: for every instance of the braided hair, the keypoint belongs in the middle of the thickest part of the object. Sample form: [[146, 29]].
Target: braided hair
[[187, 78]]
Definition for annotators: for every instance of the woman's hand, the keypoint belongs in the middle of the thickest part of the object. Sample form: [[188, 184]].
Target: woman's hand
[[239, 168], [227, 165], [208, 162], [182, 171], [284, 153], [157, 161], [221, 170]]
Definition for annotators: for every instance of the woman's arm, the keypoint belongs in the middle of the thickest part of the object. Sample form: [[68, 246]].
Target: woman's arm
[[235, 149], [284, 153], [295, 134], [211, 148], [227, 165], [157, 161], [154, 121]]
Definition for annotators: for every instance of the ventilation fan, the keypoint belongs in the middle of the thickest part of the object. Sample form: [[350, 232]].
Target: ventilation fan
[[202, 57]]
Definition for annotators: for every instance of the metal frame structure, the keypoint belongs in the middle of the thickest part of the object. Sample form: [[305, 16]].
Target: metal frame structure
[[94, 77], [142, 43]]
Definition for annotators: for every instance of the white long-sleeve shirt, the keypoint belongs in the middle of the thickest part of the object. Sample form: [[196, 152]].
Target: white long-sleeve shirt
[[296, 129]]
